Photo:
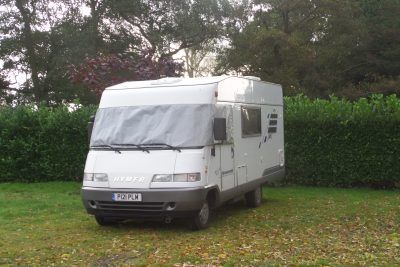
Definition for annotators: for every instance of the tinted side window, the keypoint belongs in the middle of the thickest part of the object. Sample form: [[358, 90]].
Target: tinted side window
[[251, 121]]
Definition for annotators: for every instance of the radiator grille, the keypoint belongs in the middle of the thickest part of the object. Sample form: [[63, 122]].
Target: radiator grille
[[129, 206]]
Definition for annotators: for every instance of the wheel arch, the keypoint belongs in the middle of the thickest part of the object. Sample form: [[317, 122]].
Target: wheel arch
[[213, 197]]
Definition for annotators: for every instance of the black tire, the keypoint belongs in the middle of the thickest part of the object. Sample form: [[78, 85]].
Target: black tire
[[202, 218], [104, 221], [254, 198]]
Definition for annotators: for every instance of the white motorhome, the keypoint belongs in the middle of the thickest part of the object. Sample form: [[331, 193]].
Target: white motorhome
[[178, 147]]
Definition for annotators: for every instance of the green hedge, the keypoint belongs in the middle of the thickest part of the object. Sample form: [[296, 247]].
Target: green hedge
[[338, 143], [328, 142], [42, 144]]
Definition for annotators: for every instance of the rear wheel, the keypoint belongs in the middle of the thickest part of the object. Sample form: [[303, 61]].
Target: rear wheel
[[254, 198], [104, 221], [202, 217]]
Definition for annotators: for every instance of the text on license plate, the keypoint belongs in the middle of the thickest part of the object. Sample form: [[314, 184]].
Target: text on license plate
[[126, 197]]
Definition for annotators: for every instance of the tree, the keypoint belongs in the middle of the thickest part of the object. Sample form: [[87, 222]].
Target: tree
[[35, 40], [166, 27], [278, 44], [43, 37], [199, 61], [359, 51], [5, 97], [101, 72], [319, 47]]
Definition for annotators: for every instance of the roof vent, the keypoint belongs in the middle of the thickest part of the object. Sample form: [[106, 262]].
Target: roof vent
[[167, 80], [254, 78]]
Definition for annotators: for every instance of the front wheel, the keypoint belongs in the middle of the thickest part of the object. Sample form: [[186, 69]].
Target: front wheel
[[104, 221], [202, 218], [254, 198]]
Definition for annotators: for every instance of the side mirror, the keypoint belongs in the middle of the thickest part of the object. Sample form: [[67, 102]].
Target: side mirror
[[90, 127], [220, 129]]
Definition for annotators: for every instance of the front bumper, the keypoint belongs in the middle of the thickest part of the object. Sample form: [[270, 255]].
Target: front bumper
[[156, 203]]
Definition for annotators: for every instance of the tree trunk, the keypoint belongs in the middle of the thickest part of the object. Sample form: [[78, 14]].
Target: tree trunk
[[29, 44], [189, 62], [95, 12], [285, 18]]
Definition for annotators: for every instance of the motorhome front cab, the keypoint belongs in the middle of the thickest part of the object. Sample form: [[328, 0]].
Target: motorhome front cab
[[178, 147]]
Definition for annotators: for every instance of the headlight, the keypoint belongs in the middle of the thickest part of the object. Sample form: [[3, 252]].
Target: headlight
[[95, 177], [181, 177], [162, 178], [88, 176]]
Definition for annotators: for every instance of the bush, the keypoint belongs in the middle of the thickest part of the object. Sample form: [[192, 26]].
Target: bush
[[328, 142], [42, 144], [340, 143]]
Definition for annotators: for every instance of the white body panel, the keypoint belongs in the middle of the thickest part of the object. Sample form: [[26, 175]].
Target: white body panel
[[135, 169], [235, 162], [204, 94]]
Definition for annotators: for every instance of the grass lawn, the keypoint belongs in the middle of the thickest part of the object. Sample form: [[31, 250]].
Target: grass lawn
[[45, 223]]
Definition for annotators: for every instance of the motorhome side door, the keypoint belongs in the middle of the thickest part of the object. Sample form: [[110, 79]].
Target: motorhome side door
[[227, 169], [247, 125], [227, 152], [240, 148]]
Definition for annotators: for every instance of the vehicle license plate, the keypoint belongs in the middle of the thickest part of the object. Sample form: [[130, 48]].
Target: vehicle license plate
[[127, 197]]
